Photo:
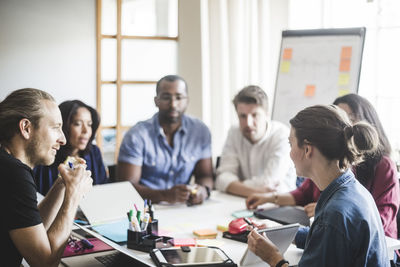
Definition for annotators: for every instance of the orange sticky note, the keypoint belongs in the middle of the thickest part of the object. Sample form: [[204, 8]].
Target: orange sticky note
[[310, 91], [346, 52], [205, 233], [287, 53], [344, 65]]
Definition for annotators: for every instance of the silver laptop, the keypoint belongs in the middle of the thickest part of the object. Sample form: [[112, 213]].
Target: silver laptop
[[110, 202], [103, 205], [106, 206], [281, 236], [120, 256]]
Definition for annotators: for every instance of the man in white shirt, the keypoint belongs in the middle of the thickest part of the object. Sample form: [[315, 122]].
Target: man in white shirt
[[256, 156]]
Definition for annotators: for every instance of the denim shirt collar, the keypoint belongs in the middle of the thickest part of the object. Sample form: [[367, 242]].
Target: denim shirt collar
[[158, 130], [343, 179]]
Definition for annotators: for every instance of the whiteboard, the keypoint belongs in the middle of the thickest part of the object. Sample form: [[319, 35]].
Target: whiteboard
[[315, 67]]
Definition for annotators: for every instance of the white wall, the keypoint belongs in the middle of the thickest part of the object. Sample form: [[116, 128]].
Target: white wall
[[50, 45]]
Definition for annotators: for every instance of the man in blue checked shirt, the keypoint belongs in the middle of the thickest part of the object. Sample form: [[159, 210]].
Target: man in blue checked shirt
[[158, 156]]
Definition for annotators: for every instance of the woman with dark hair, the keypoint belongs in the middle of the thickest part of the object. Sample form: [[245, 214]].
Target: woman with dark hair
[[347, 230], [80, 123], [377, 173]]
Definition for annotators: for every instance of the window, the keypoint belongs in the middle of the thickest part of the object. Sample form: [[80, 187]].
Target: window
[[136, 46]]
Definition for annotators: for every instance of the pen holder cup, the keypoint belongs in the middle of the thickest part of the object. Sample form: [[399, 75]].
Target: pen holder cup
[[136, 237], [152, 227], [144, 242]]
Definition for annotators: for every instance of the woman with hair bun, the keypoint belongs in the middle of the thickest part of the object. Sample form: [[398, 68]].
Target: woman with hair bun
[[377, 172], [347, 230]]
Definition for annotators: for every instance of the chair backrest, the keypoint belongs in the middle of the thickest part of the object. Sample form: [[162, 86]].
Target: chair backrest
[[112, 172]]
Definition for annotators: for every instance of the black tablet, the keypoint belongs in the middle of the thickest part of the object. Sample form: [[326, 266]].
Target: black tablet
[[284, 215], [191, 256]]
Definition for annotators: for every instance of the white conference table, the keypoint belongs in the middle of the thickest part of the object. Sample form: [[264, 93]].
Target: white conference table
[[179, 221]]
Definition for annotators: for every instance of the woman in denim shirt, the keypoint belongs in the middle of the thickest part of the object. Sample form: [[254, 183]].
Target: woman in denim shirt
[[347, 230]]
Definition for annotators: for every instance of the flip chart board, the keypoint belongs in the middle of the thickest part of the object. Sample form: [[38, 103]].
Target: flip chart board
[[315, 67]]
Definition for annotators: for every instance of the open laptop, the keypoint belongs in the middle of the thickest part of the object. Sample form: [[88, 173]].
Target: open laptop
[[285, 215], [281, 236], [120, 256], [106, 205]]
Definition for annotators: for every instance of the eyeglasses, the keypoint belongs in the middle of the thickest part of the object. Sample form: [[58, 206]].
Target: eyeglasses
[[170, 98]]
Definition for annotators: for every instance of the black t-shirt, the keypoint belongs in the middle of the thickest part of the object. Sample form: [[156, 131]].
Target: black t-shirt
[[18, 197]]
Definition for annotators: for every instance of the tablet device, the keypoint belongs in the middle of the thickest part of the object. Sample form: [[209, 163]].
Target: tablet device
[[284, 215], [281, 236], [191, 256]]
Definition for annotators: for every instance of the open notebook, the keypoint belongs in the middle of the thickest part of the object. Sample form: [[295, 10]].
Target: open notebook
[[106, 205]]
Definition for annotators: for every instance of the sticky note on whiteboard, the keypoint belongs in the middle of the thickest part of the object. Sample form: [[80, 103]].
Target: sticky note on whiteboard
[[287, 54], [344, 79], [343, 92], [344, 65], [310, 90], [285, 66], [346, 52]]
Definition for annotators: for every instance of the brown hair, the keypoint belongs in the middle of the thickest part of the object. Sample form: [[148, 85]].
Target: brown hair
[[329, 129], [363, 110], [252, 94], [20, 104]]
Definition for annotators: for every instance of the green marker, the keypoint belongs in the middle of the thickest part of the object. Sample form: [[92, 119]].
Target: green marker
[[130, 215], [138, 216]]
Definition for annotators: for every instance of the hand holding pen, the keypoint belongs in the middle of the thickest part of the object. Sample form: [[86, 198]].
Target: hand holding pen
[[254, 225], [198, 194], [177, 193]]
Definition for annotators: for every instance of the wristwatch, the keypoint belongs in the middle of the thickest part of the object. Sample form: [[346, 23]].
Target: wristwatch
[[281, 262]]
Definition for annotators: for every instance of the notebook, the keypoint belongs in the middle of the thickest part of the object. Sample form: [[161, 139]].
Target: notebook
[[106, 205], [284, 215], [281, 236]]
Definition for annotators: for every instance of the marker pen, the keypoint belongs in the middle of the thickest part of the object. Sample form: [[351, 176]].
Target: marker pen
[[86, 244], [135, 224], [145, 221], [138, 216], [249, 222], [151, 210]]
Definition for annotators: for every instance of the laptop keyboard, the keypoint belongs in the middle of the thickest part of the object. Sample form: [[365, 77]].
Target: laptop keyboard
[[116, 259]]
